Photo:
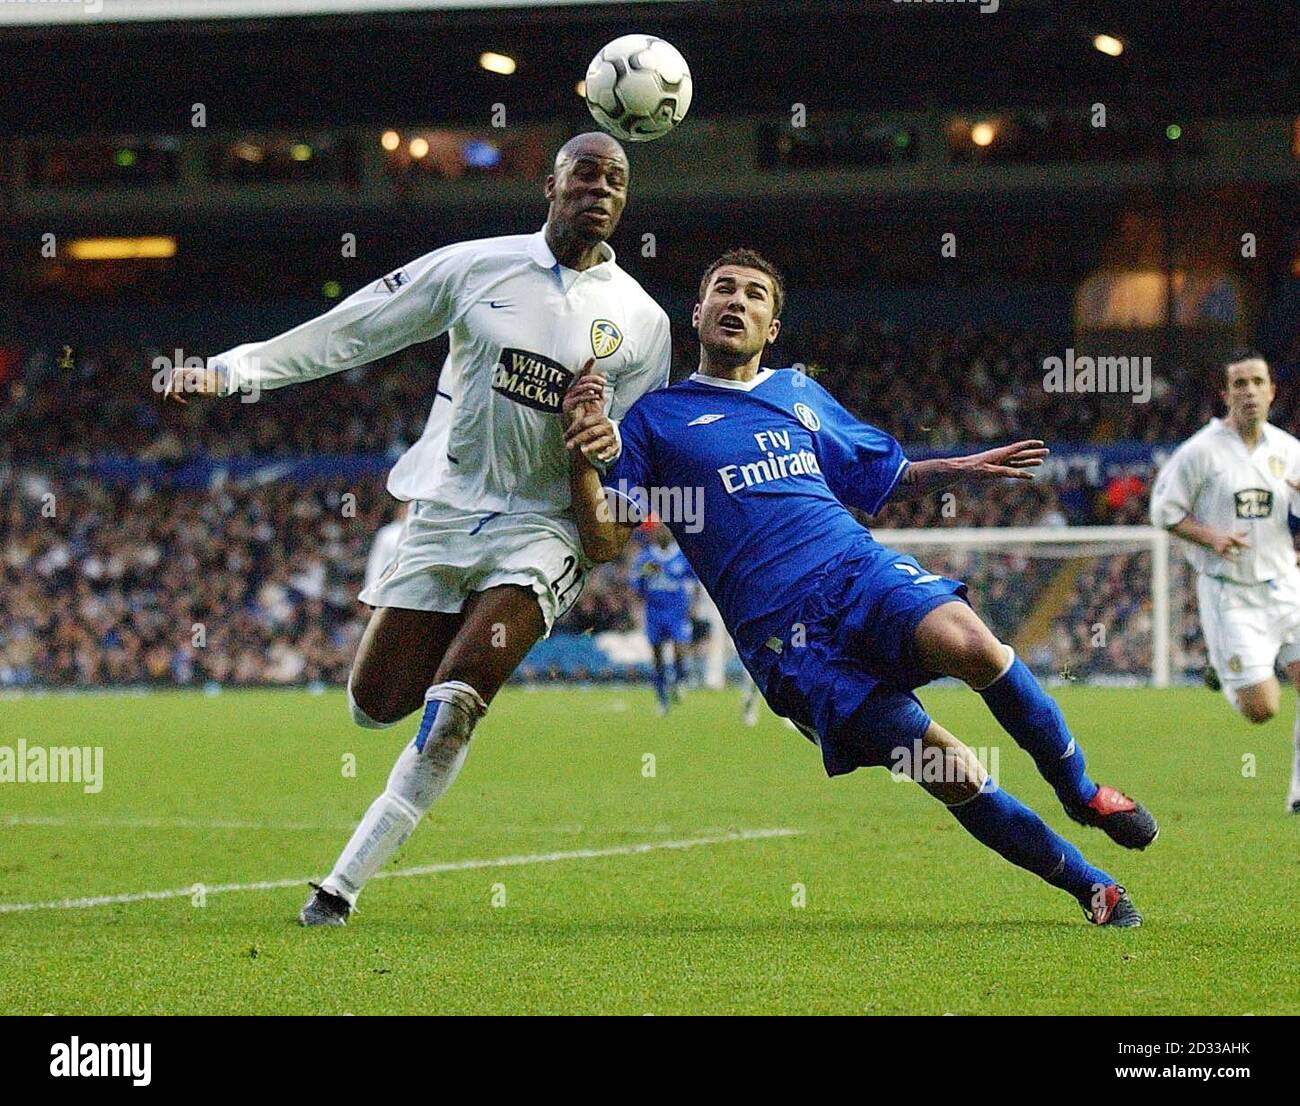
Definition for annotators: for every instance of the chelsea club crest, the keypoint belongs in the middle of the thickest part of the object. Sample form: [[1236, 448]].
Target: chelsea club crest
[[807, 416], [605, 338]]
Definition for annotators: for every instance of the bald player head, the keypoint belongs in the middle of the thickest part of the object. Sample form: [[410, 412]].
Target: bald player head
[[596, 143], [586, 193]]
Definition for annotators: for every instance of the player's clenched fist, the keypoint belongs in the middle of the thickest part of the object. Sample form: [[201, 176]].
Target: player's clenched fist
[[1228, 545], [201, 381], [586, 427], [594, 434], [585, 395]]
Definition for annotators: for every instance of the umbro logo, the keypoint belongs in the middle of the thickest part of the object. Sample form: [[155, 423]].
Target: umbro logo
[[917, 576], [704, 420]]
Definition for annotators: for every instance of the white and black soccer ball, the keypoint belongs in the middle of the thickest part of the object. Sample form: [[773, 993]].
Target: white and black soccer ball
[[638, 87]]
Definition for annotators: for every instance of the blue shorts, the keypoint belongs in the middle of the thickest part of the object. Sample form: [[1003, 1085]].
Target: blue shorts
[[847, 668], [674, 627]]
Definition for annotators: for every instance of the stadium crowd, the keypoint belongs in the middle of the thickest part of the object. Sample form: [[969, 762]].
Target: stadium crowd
[[251, 584], [927, 387], [256, 583]]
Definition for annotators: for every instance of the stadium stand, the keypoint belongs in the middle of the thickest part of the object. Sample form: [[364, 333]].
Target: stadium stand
[[169, 519]]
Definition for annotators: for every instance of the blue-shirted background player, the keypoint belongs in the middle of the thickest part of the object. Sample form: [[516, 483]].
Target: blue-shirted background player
[[836, 629], [662, 577]]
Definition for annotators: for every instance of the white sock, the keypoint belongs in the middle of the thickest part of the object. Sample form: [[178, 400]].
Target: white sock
[[1295, 761], [424, 771]]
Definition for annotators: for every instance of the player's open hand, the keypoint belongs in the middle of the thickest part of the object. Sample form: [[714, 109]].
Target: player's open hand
[[1008, 462]]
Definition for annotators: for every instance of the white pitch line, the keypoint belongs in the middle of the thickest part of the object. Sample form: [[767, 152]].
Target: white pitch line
[[59, 821], [402, 873]]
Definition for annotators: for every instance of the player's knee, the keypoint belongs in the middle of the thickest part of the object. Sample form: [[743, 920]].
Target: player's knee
[[1257, 711], [988, 659], [918, 748], [957, 775], [1259, 702], [372, 712], [954, 642], [956, 793], [975, 654]]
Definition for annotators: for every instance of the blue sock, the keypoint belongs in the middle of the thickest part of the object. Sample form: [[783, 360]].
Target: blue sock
[[1032, 717], [661, 685], [1003, 823]]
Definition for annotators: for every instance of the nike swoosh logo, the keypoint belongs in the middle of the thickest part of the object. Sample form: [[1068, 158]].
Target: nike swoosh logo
[[498, 305]]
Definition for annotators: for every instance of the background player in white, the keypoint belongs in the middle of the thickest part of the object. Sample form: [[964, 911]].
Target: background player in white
[[490, 556], [749, 698], [1226, 491]]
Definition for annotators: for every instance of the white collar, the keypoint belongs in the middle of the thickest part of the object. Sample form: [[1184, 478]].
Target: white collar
[[735, 385], [1265, 434], [540, 252]]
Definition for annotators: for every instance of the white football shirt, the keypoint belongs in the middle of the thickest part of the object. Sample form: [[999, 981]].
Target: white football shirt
[[521, 327], [1216, 479]]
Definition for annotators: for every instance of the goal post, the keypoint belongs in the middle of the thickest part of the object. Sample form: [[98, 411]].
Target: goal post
[[1023, 551], [1063, 542]]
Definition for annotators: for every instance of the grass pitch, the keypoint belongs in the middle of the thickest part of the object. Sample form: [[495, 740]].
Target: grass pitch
[[903, 913]]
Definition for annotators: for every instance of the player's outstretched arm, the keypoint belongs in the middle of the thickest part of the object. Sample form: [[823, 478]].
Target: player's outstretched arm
[[412, 305], [1008, 462], [586, 427]]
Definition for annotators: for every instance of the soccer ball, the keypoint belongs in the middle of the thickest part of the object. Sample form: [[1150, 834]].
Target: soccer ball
[[638, 87]]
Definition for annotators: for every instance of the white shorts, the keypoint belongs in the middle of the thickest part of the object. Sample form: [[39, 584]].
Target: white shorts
[[444, 556], [1249, 626]]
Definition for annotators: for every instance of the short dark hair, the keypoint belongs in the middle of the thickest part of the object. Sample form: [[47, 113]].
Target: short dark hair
[[1236, 356], [750, 259]]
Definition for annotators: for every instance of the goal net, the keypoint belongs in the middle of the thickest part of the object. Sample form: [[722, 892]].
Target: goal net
[[1098, 604], [1104, 604]]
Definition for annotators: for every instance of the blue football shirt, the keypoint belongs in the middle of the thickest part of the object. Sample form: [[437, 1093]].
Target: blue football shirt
[[663, 578], [752, 479]]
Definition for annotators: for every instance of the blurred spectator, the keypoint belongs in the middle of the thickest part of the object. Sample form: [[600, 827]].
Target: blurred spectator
[[257, 584], [926, 387]]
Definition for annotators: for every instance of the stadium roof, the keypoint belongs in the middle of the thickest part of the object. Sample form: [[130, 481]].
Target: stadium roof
[[70, 12], [395, 63]]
